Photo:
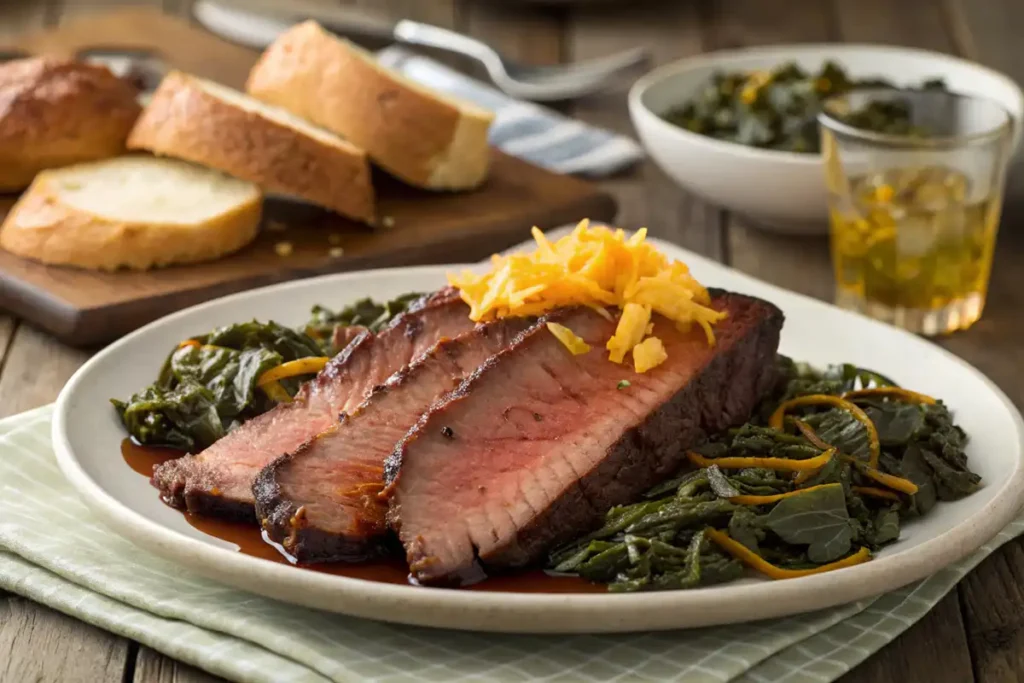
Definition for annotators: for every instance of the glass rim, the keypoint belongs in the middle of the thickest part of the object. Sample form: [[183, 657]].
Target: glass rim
[[931, 142]]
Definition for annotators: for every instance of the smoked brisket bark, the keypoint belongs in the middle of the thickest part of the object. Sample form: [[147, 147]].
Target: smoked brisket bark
[[537, 444], [218, 481], [321, 503]]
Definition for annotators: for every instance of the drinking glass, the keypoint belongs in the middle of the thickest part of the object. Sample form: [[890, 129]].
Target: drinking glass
[[914, 213]]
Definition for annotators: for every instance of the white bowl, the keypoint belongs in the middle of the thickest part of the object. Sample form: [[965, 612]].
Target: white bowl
[[784, 191]]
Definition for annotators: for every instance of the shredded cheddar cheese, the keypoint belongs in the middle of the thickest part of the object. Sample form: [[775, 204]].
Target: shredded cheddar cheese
[[600, 268], [569, 339], [650, 353]]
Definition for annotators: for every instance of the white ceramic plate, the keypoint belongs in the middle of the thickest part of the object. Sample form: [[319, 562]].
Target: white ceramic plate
[[87, 435]]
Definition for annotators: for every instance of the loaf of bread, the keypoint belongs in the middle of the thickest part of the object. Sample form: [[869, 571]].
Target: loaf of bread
[[207, 123], [133, 211], [56, 112], [422, 137]]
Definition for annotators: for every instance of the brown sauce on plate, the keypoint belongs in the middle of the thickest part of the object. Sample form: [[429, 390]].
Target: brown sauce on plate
[[143, 459], [248, 540]]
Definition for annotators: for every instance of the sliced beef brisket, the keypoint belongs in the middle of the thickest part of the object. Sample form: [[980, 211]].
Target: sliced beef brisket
[[321, 502], [534, 447], [218, 481]]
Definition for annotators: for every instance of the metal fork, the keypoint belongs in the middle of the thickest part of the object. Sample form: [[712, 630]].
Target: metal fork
[[258, 22]]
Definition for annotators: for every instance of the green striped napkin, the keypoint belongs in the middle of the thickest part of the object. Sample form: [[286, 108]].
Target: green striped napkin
[[53, 551]]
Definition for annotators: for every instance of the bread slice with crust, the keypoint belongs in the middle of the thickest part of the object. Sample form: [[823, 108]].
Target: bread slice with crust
[[55, 112], [424, 138], [210, 124], [134, 211]]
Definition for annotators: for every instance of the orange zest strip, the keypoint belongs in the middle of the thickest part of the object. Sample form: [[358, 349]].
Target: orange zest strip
[[755, 561], [809, 434], [891, 392], [785, 464], [778, 417], [804, 475], [276, 392], [874, 492], [896, 483], [302, 366], [765, 500]]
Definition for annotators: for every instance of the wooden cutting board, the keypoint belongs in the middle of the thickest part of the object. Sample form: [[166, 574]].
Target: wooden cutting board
[[85, 308]]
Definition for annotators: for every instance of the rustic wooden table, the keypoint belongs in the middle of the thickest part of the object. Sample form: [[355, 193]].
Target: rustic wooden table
[[977, 632]]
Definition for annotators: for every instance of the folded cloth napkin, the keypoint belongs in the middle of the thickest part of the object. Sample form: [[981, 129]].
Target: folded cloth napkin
[[53, 551], [536, 134]]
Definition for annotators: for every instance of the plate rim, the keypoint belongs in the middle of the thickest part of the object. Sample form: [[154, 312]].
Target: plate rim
[[522, 612]]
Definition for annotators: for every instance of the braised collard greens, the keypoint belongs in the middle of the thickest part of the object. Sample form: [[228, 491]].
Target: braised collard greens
[[211, 383], [805, 487], [778, 109]]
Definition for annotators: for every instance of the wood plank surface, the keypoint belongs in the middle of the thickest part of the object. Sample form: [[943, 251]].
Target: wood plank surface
[[646, 196], [977, 632], [40, 644]]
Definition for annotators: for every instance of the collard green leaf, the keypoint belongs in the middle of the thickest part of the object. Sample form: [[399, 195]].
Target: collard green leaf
[[950, 483], [897, 422], [720, 484], [184, 417], [367, 313], [842, 430], [747, 527], [207, 388], [778, 109], [886, 527], [759, 481], [817, 519], [914, 467], [285, 341]]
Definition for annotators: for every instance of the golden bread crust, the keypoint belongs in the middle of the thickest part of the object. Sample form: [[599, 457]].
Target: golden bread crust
[[187, 121], [414, 134], [56, 112]]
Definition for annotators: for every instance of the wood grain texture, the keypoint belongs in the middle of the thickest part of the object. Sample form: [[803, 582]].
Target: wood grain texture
[[646, 196], [35, 369], [923, 652], [39, 644], [153, 667], [991, 598]]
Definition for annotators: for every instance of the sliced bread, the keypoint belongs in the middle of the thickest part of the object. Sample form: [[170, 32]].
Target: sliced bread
[[210, 124], [422, 137], [55, 112], [133, 211]]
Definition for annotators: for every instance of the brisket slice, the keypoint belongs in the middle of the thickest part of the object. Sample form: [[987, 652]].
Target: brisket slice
[[218, 481], [321, 503], [537, 444]]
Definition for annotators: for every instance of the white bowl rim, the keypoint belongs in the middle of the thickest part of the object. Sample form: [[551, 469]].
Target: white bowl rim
[[707, 59]]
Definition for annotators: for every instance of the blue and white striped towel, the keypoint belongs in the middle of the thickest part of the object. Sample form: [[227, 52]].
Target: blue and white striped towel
[[526, 130]]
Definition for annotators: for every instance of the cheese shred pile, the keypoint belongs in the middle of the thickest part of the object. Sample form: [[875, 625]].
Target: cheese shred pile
[[600, 268]]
